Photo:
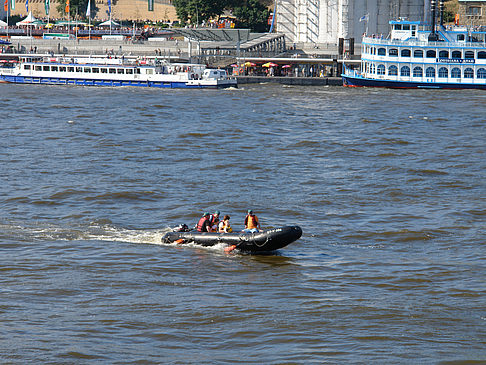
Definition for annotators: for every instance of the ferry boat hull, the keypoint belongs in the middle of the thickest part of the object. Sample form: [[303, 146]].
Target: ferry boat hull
[[350, 81]]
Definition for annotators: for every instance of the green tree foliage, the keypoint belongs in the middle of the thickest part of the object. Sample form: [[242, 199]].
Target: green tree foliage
[[252, 14], [196, 11], [75, 6]]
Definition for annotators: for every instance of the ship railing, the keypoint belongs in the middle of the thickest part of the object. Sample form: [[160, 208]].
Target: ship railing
[[397, 42]]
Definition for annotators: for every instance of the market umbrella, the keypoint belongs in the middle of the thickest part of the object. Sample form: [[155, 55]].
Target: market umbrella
[[269, 64], [249, 64], [286, 66], [234, 65]]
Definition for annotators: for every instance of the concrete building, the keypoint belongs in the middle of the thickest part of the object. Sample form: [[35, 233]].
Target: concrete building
[[325, 21], [472, 12], [121, 9]]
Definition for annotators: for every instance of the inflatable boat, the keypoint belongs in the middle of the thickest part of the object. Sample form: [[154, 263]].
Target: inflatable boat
[[263, 241]]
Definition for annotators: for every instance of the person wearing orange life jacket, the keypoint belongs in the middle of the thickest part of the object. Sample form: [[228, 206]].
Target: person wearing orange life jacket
[[251, 222], [204, 225], [224, 225]]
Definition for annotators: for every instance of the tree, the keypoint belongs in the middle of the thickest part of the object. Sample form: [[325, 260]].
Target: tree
[[252, 14], [75, 6], [198, 10]]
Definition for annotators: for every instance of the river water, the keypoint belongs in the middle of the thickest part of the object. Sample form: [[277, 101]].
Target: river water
[[387, 185]]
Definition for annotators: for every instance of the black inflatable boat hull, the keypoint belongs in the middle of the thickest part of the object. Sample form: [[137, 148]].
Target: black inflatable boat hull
[[264, 241]]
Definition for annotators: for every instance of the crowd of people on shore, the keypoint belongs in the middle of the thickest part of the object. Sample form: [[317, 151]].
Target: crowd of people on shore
[[212, 223]]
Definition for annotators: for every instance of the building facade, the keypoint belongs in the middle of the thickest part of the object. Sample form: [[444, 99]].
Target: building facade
[[472, 12], [326, 21], [121, 9]]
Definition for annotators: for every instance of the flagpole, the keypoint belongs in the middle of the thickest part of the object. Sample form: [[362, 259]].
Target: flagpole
[[8, 13]]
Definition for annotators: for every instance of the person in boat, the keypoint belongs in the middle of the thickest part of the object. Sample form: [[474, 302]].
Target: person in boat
[[204, 224], [224, 225], [251, 222], [214, 220]]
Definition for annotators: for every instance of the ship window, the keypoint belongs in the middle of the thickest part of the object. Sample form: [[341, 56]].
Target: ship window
[[468, 73], [393, 70], [380, 70], [87, 70], [430, 72], [95, 70], [26, 67], [149, 71], [406, 26], [45, 68], [431, 53], [443, 54], [137, 71], [481, 73], [79, 69], [120, 71], [460, 37], [38, 68], [405, 53], [456, 73], [54, 68], [469, 54], [418, 53], [398, 27], [456, 54], [443, 72], [70, 69], [112, 70], [482, 55], [129, 71], [393, 52], [418, 72], [405, 71], [62, 68], [104, 70], [381, 52]]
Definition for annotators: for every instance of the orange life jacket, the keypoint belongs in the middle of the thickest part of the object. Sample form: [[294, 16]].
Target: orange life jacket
[[251, 221]]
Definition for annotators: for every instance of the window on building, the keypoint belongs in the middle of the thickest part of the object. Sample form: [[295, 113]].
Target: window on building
[[104, 70], [469, 55], [418, 53], [26, 67], [461, 37], [129, 71], [381, 52], [456, 54], [87, 69], [481, 73], [95, 70], [430, 72], [393, 52], [70, 69], [473, 10], [380, 70], [120, 71], [431, 53], [393, 70], [405, 71], [62, 68], [456, 73], [45, 68], [482, 55], [443, 72], [418, 72], [405, 53], [38, 68], [443, 54], [54, 68], [79, 69], [468, 73], [112, 70]]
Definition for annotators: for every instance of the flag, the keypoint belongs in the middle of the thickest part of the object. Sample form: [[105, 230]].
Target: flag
[[67, 8], [12, 5], [88, 9], [109, 6], [150, 5], [27, 6], [5, 6], [47, 5], [364, 18]]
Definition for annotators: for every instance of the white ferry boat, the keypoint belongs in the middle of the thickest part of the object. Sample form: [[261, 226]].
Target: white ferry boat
[[113, 72], [450, 57]]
